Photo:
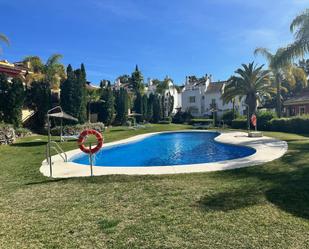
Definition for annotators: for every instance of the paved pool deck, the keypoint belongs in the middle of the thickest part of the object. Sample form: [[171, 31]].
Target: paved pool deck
[[267, 149]]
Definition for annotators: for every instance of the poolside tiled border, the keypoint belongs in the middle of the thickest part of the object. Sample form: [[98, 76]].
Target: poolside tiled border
[[267, 149]]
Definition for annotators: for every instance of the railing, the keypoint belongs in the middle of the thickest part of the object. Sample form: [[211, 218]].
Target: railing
[[52, 145]]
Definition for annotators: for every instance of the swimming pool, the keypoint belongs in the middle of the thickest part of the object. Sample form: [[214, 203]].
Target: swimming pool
[[166, 149]]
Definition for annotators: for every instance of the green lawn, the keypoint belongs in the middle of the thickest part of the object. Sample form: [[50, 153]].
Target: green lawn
[[259, 207]]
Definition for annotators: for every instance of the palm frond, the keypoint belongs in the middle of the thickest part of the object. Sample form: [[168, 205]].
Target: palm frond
[[53, 59], [299, 20], [4, 39]]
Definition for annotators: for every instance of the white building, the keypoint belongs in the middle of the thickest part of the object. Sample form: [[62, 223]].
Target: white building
[[171, 91], [201, 97]]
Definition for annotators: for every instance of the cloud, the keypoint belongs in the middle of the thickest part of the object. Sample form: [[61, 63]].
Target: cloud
[[122, 9]]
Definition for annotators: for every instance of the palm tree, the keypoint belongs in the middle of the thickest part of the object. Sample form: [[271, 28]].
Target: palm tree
[[52, 71], [281, 71], [251, 82], [3, 38], [300, 28]]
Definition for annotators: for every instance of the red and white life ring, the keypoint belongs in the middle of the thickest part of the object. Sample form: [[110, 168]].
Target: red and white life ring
[[82, 138], [253, 120]]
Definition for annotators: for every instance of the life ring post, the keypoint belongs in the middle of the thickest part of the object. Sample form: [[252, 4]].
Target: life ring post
[[91, 161]]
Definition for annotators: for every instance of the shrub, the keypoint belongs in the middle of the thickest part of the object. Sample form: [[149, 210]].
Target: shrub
[[201, 121], [7, 134], [22, 132], [229, 116], [182, 117], [76, 129], [298, 124], [239, 123], [263, 119]]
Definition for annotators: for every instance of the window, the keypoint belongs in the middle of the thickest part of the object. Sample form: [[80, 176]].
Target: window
[[301, 110], [192, 99]]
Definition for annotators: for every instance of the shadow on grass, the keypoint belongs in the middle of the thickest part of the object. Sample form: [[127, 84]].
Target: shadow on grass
[[29, 144], [47, 181], [284, 183], [235, 199]]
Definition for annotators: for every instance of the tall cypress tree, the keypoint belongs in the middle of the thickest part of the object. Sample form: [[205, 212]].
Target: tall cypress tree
[[150, 107], [66, 94], [15, 101], [145, 107], [157, 109], [122, 105], [39, 99], [138, 106], [137, 81], [4, 89], [107, 110]]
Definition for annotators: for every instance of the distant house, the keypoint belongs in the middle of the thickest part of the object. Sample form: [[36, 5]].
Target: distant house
[[201, 97], [17, 69], [297, 105], [171, 91]]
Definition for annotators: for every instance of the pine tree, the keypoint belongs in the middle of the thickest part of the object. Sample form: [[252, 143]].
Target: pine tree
[[137, 81]]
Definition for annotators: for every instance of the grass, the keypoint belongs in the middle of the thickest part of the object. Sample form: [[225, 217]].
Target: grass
[[260, 207]]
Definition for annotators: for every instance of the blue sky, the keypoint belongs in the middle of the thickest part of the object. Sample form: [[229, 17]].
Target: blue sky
[[164, 37]]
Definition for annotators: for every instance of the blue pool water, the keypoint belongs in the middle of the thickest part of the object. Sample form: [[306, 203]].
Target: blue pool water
[[175, 148]]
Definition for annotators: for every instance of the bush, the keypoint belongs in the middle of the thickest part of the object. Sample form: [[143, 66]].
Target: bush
[[76, 129], [263, 119], [7, 134], [182, 117], [229, 116], [201, 121], [294, 125], [22, 132], [164, 122], [239, 123]]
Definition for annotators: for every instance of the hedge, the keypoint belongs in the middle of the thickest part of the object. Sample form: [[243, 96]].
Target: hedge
[[239, 124], [202, 121], [292, 125], [76, 129]]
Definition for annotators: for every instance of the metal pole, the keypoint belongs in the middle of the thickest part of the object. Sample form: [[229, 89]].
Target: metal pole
[[61, 130], [91, 162], [49, 154]]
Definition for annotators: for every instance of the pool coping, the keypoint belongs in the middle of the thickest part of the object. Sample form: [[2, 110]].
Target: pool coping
[[267, 149]]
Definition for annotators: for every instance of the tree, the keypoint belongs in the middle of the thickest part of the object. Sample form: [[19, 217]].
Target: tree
[[150, 107], [4, 91], [122, 105], [39, 100], [15, 101], [4, 39], [79, 96], [107, 112], [66, 93], [137, 81], [138, 106], [157, 108], [52, 71], [145, 107], [251, 82], [300, 28], [280, 71]]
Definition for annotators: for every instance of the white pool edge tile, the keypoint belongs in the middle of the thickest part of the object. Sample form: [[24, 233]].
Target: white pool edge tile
[[267, 149]]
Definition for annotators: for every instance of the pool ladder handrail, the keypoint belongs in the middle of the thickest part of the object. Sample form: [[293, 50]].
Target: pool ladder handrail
[[56, 147]]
